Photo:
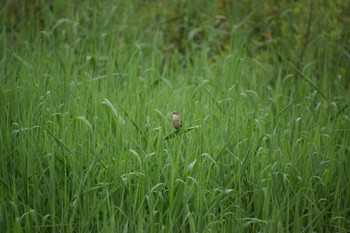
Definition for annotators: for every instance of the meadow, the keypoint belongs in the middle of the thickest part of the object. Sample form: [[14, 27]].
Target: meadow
[[85, 104]]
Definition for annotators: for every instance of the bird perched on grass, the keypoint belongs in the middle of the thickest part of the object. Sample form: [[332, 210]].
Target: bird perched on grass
[[177, 122]]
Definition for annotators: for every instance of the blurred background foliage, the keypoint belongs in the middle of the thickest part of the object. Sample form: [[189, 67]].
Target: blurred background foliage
[[299, 31]]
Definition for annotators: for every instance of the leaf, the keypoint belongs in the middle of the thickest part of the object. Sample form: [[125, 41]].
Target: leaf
[[191, 165], [114, 110]]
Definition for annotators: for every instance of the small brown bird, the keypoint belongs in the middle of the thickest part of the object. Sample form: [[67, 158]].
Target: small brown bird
[[177, 122]]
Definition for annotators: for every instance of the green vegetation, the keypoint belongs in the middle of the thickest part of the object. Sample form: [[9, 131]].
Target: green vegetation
[[87, 143]]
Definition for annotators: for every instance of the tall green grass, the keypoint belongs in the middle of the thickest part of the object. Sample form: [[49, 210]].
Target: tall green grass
[[85, 109]]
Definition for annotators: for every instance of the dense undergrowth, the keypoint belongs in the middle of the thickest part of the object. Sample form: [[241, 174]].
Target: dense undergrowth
[[86, 94]]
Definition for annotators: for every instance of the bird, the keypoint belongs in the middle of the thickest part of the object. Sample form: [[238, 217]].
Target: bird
[[177, 122]]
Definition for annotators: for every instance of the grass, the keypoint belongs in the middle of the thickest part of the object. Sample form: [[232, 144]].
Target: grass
[[85, 111]]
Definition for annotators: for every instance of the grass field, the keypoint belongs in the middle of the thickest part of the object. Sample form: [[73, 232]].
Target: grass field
[[85, 110]]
